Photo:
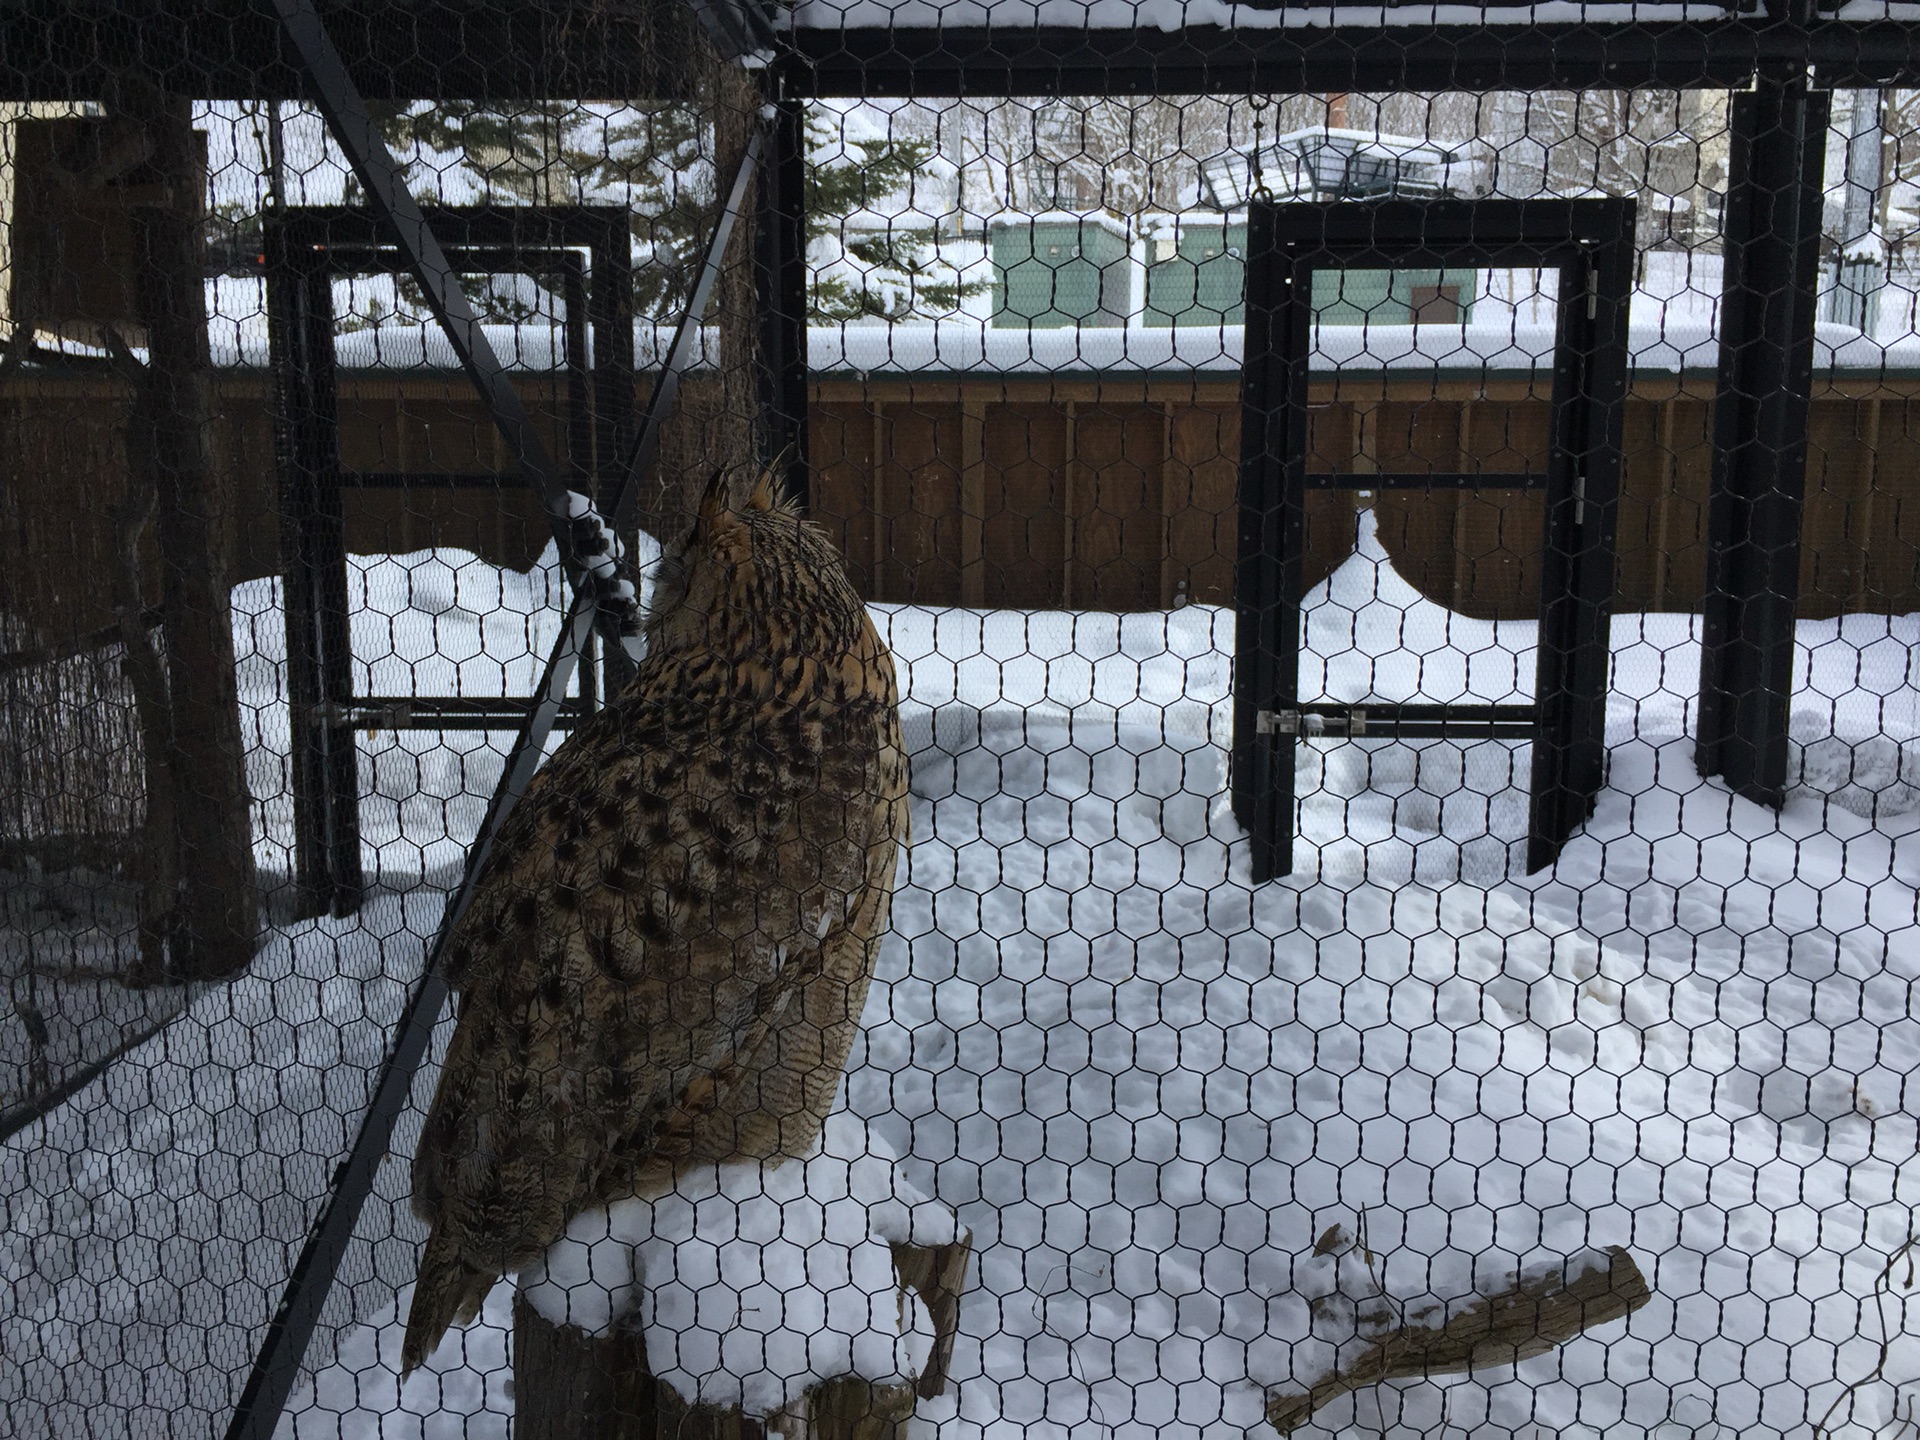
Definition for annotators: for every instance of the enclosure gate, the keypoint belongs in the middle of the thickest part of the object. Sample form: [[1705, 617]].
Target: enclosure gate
[[1590, 244], [305, 249]]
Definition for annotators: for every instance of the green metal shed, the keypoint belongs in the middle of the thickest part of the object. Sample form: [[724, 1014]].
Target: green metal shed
[[1051, 271], [1196, 275]]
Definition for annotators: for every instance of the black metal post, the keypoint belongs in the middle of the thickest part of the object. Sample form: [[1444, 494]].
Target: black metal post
[[780, 244], [1577, 560], [327, 873], [610, 316], [1278, 347], [580, 457], [686, 338], [1772, 248]]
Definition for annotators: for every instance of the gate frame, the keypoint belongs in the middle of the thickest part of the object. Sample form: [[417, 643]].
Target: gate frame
[[1590, 242], [306, 247]]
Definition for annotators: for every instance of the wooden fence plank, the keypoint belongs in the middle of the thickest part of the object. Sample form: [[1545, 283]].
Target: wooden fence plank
[[1108, 494], [1023, 490]]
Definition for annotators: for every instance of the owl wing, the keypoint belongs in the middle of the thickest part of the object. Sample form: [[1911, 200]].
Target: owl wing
[[660, 896], [771, 1094]]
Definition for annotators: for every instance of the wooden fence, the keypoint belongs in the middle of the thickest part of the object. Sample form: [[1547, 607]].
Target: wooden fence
[[1116, 495], [1004, 491]]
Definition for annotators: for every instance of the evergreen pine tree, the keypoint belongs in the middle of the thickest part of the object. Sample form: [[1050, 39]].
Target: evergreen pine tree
[[896, 272], [658, 162]]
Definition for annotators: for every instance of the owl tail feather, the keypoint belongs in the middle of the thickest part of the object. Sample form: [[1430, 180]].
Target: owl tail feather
[[450, 1291]]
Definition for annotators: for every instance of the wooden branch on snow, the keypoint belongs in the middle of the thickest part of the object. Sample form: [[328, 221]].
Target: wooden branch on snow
[[568, 1385], [1528, 1319]]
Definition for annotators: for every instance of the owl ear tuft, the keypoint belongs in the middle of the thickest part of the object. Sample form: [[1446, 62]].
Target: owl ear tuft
[[716, 501], [766, 494]]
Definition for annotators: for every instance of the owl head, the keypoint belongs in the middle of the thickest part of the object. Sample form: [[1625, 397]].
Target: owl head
[[752, 573]]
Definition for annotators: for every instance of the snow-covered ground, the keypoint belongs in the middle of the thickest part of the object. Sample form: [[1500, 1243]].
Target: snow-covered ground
[[1208, 1137]]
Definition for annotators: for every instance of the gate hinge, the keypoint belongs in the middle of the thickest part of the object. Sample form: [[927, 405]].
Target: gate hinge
[[1580, 496]]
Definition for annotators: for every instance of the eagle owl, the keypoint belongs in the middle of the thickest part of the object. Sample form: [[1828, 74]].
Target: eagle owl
[[666, 955]]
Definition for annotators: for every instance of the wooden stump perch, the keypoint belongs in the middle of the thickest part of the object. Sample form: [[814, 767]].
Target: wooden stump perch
[[1529, 1318], [568, 1385]]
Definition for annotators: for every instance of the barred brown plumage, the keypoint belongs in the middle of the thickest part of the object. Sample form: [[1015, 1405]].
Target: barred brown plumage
[[666, 958]]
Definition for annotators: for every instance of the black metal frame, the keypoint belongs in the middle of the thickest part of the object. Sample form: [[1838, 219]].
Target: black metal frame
[[1755, 506], [1591, 243], [501, 50], [306, 248], [781, 280], [404, 225], [934, 61]]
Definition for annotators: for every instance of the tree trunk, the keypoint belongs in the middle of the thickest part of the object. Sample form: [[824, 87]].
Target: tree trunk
[[156, 860], [216, 919]]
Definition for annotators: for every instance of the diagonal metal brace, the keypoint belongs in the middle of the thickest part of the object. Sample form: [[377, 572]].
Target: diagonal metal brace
[[283, 1350], [586, 543]]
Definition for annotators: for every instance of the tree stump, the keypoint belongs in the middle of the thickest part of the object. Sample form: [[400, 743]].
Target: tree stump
[[568, 1385]]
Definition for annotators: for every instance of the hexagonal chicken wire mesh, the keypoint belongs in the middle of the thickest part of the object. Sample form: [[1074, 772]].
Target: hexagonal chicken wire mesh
[[1102, 853]]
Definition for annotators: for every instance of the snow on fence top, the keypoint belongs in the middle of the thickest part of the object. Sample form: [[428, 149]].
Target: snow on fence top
[[1661, 342], [1672, 329], [962, 347], [1174, 15]]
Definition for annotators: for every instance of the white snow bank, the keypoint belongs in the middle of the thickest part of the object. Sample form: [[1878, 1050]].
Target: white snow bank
[[1151, 1089], [752, 1284], [148, 1226], [1212, 1139]]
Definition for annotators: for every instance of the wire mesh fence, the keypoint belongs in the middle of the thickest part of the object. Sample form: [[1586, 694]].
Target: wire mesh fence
[[1313, 836]]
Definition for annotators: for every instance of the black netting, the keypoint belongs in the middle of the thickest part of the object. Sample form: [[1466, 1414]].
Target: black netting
[[1314, 835]]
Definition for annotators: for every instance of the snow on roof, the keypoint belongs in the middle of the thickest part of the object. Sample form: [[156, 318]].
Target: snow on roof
[[423, 346], [1172, 15], [1370, 142], [1877, 10], [1023, 219]]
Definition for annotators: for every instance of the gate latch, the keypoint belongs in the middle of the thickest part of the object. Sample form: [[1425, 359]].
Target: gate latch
[[1292, 722]]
